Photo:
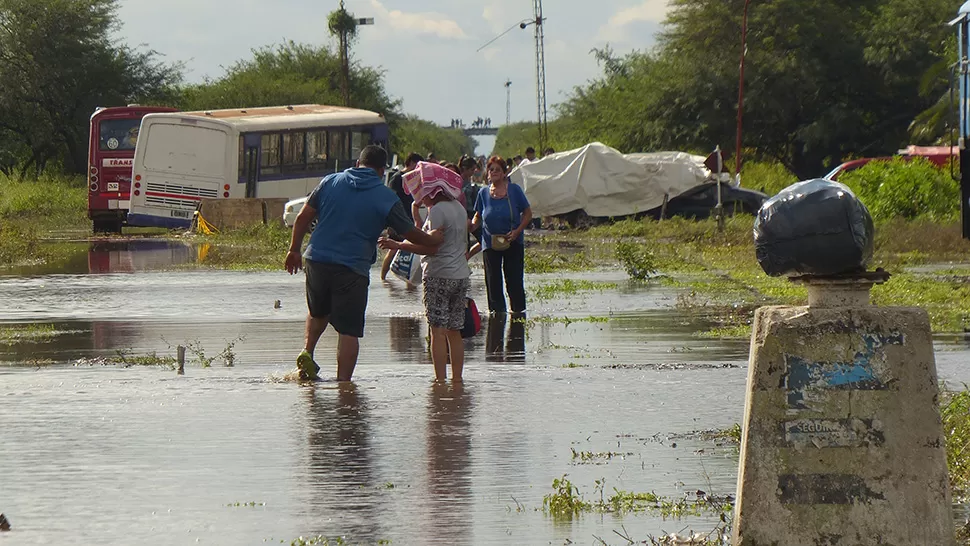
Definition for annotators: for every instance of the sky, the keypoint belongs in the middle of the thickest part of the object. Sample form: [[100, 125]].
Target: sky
[[427, 48]]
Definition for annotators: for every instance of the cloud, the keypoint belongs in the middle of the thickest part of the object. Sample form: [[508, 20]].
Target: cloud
[[652, 11], [419, 23], [648, 11]]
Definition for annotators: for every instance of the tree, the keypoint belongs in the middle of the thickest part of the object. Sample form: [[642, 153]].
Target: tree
[[293, 73], [57, 64], [824, 79], [411, 134]]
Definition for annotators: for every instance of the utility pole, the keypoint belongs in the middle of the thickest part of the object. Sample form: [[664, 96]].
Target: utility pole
[[540, 73], [508, 102], [343, 25], [744, 50]]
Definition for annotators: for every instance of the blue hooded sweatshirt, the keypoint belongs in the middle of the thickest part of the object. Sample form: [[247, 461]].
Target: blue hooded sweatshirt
[[352, 209]]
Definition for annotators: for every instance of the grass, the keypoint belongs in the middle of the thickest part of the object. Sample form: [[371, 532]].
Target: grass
[[955, 411], [567, 503], [568, 287], [12, 335], [722, 278]]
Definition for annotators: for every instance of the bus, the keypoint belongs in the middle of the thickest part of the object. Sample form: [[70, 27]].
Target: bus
[[111, 147], [278, 151]]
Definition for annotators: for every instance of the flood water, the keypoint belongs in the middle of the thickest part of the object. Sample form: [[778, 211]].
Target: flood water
[[107, 454]]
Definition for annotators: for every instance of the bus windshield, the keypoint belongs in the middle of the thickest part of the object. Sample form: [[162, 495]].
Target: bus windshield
[[118, 134]]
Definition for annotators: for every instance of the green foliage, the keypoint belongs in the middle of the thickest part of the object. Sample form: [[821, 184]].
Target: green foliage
[[565, 502], [769, 177], [294, 73], [291, 73], [59, 61], [855, 94], [568, 287], [512, 140], [548, 261], [12, 335], [955, 412], [905, 189], [637, 259], [411, 134], [340, 22]]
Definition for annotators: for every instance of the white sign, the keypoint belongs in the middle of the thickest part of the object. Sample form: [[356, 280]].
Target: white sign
[[117, 162], [113, 186]]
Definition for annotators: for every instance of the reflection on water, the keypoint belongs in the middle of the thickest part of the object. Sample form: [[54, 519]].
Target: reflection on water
[[449, 445], [502, 348], [339, 468], [134, 255]]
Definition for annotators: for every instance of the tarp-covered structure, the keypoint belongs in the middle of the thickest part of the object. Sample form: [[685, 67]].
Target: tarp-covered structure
[[605, 183]]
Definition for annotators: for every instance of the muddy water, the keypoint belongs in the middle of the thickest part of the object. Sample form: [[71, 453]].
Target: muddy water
[[106, 454]]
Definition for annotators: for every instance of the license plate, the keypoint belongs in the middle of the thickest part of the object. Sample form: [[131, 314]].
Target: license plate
[[181, 214], [113, 186]]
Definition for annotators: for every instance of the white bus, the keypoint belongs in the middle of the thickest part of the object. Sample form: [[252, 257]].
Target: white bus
[[280, 151]]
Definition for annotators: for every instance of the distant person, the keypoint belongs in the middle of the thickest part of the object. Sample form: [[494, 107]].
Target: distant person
[[467, 166], [547, 152], [503, 212], [446, 273], [431, 158], [352, 208], [396, 183], [530, 156]]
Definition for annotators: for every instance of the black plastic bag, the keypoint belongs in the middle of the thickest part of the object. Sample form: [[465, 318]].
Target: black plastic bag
[[816, 227]]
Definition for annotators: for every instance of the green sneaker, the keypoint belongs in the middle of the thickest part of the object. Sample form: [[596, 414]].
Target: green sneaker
[[308, 368]]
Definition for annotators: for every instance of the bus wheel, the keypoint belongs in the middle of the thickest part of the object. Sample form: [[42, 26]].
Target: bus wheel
[[111, 225]]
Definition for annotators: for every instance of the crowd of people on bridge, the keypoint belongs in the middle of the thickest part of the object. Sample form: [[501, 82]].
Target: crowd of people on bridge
[[479, 123]]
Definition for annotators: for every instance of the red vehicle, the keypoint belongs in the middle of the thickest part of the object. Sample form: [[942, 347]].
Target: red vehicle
[[111, 149]]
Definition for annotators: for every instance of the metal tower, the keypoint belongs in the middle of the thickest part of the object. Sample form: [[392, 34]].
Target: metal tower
[[540, 73]]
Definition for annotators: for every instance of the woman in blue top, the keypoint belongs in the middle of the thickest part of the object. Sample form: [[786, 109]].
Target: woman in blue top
[[503, 212]]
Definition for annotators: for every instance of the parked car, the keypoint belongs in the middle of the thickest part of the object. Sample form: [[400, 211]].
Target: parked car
[[292, 210], [835, 173], [699, 202]]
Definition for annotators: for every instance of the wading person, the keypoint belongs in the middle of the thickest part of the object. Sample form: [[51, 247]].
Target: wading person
[[503, 212], [352, 208], [446, 273], [396, 183]]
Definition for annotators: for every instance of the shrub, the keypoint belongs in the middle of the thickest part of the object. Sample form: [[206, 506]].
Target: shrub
[[637, 260], [905, 189], [767, 177]]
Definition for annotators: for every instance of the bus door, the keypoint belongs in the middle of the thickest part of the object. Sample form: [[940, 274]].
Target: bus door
[[251, 162]]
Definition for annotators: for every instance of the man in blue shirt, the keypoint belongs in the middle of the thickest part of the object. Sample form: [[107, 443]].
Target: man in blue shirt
[[352, 209]]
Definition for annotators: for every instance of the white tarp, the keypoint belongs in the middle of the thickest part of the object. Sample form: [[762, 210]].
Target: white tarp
[[604, 182]]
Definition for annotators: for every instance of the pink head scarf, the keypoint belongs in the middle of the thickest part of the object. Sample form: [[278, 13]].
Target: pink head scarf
[[430, 179]]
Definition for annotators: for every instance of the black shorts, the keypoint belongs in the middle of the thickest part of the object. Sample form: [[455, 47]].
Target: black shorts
[[337, 293]]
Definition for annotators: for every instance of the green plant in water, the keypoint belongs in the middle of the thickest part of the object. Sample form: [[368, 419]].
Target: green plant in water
[[638, 262], [30, 332], [568, 287], [565, 501]]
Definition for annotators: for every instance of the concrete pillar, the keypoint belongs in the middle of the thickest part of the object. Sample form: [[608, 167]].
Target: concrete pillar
[[842, 442]]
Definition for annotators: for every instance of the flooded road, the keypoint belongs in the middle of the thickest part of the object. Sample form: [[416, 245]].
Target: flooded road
[[107, 454]]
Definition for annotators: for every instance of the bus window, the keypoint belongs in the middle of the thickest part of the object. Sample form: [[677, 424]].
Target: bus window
[[360, 139], [118, 134], [294, 147], [188, 150], [269, 162], [339, 147], [316, 150]]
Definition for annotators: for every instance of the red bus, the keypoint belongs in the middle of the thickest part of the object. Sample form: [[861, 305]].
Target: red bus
[[111, 149]]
